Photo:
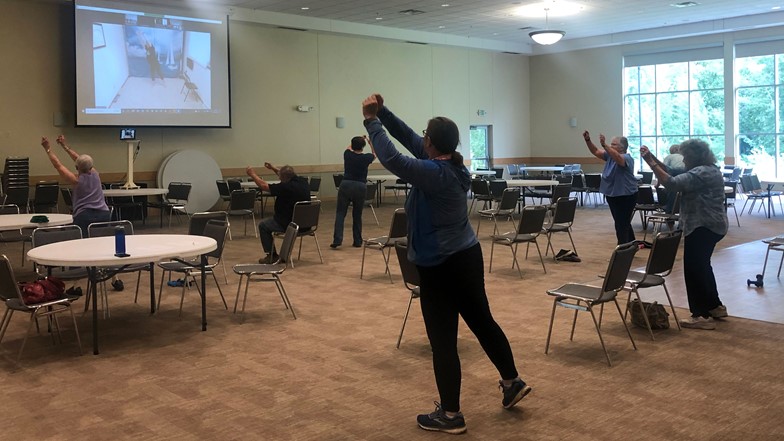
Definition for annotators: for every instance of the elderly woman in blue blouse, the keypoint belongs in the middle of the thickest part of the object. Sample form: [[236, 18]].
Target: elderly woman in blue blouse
[[619, 185], [447, 254], [704, 224]]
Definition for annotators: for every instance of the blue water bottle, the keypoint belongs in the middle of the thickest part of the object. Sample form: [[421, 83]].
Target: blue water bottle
[[119, 242]]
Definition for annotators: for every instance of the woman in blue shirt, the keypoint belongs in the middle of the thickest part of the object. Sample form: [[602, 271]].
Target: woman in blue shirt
[[619, 185], [352, 191], [447, 254]]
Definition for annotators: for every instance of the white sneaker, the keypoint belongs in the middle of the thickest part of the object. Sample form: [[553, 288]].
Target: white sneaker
[[718, 312], [698, 323]]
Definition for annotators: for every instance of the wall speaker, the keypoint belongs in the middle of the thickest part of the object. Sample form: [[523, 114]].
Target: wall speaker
[[340, 122]]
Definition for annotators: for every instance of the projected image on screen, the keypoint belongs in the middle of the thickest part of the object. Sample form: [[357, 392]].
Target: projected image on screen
[[144, 68]]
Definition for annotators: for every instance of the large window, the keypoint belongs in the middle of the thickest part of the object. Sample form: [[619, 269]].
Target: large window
[[665, 104], [481, 147], [760, 111]]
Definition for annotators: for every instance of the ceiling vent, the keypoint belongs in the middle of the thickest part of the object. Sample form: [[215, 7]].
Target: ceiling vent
[[683, 4], [411, 12]]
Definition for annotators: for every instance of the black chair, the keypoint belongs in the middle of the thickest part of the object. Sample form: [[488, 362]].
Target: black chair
[[46, 197], [505, 208], [268, 272], [46, 235], [581, 297], [578, 185], [128, 207], [528, 229], [647, 177], [67, 199], [223, 190], [198, 222], [645, 204], [497, 187], [306, 216], [730, 197], [15, 302], [242, 203], [370, 198], [561, 222], [481, 192], [18, 196], [592, 183], [660, 263], [410, 280], [22, 235], [337, 178], [175, 201], [315, 186], [398, 229]]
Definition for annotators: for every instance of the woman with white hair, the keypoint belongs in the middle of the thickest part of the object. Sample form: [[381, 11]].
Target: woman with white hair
[[89, 204]]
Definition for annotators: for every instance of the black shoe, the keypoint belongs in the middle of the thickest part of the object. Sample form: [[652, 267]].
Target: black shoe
[[561, 254], [439, 422], [514, 393], [357, 245], [74, 292], [334, 245], [118, 285]]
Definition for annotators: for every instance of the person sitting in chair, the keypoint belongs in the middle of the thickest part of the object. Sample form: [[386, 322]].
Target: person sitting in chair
[[289, 191]]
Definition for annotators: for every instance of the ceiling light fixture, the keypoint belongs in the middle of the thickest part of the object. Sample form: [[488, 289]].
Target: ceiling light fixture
[[547, 36]]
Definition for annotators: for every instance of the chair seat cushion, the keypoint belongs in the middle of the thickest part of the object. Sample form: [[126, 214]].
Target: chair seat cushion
[[511, 237], [578, 292], [651, 280], [259, 268]]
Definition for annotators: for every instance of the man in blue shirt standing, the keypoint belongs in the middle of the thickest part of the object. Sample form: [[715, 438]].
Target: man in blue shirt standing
[[352, 190]]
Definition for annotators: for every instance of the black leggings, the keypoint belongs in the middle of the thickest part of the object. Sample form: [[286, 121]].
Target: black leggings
[[622, 208], [457, 287], [698, 273]]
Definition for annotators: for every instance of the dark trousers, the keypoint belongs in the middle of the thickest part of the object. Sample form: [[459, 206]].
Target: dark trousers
[[457, 288], [622, 208], [350, 192], [88, 216], [698, 273]]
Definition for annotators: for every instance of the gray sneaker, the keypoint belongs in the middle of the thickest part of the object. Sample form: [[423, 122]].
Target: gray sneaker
[[718, 312], [438, 421], [698, 323]]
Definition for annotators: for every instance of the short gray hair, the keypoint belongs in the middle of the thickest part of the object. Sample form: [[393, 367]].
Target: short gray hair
[[84, 163]]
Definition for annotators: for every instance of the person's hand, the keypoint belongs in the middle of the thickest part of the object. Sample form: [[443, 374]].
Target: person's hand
[[379, 100], [268, 165], [61, 140], [586, 136], [370, 107], [249, 171], [45, 143], [602, 140], [644, 152]]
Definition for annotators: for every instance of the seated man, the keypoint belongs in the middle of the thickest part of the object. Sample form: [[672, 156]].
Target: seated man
[[291, 190]]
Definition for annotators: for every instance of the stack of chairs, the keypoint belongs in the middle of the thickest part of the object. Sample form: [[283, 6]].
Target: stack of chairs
[[16, 182]]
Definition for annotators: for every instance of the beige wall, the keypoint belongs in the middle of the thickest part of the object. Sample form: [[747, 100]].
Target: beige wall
[[272, 71]]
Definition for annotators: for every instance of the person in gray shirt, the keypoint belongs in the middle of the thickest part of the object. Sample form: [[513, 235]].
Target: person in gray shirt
[[704, 223]]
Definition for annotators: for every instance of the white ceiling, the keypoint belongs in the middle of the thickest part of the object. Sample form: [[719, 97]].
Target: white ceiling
[[493, 22]]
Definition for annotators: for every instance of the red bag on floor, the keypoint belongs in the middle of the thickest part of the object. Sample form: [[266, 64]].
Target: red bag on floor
[[43, 290]]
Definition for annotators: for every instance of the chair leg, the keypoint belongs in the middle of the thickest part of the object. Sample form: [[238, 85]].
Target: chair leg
[[599, 331], [492, 248], [386, 262], [318, 248], [362, 267], [405, 319], [624, 324], [6, 320], [33, 318], [541, 259], [672, 307], [76, 329], [550, 329], [237, 299], [284, 296], [514, 260], [644, 315]]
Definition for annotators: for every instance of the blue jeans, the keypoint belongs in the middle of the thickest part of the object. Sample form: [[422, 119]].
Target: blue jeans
[[88, 216], [350, 192], [266, 228]]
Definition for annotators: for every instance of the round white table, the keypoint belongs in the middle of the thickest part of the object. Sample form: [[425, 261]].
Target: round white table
[[122, 192], [482, 172], [197, 168], [252, 184], [18, 221], [97, 252], [531, 182]]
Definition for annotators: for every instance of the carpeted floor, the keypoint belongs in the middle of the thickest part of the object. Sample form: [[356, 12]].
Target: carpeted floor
[[334, 373]]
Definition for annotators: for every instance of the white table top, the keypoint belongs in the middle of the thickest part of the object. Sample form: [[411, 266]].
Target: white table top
[[380, 178], [251, 184], [531, 182], [483, 172], [99, 251], [17, 221], [118, 192], [542, 168]]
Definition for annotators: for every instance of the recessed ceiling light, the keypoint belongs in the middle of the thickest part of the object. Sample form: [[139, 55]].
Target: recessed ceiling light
[[379, 18], [775, 8], [441, 27], [445, 5], [683, 4], [304, 8]]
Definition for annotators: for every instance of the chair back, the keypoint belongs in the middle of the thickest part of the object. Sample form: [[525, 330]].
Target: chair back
[[578, 180], [17, 196], [561, 191], [46, 196], [480, 187], [66, 192], [647, 177], [234, 184], [676, 207], [337, 178], [564, 178], [618, 270], [735, 174], [179, 191], [755, 183], [747, 171], [9, 288], [645, 195], [198, 221], [306, 216], [9, 209], [662, 257], [509, 199], [399, 226], [532, 219], [513, 170], [242, 200], [661, 195], [223, 188], [565, 209], [287, 246], [47, 235], [521, 170], [407, 268], [499, 172], [734, 193], [497, 187], [593, 181], [102, 229], [315, 184], [370, 193], [745, 183], [218, 230]]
